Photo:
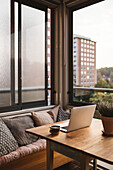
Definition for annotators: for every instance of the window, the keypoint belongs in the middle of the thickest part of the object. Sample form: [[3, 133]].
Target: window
[[25, 61], [48, 42], [48, 33], [5, 79], [33, 54], [93, 27]]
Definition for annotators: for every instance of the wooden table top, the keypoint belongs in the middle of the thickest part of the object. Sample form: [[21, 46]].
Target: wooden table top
[[88, 140]]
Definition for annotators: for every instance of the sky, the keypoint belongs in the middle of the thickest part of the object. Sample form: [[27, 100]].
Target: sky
[[96, 22]]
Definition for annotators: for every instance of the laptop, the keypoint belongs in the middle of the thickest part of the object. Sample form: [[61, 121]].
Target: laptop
[[80, 117]]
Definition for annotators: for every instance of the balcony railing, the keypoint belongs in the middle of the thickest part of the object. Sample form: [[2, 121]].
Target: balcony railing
[[85, 94]]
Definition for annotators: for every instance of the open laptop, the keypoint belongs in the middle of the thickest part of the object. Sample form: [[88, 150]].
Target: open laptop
[[80, 117]]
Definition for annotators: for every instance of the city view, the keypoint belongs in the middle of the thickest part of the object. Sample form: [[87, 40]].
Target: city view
[[93, 52]]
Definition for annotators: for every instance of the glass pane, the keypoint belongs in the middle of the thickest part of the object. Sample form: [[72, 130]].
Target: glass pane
[[93, 52], [16, 52], [33, 54], [5, 93]]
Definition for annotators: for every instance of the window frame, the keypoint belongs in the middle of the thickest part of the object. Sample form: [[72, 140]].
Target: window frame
[[31, 104], [74, 8]]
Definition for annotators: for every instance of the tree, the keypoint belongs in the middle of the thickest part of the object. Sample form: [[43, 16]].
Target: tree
[[111, 77], [99, 76], [102, 84]]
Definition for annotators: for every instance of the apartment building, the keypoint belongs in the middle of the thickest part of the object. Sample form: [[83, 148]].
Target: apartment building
[[84, 61]]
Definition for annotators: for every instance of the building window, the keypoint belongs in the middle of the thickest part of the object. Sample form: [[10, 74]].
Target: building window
[[81, 54]]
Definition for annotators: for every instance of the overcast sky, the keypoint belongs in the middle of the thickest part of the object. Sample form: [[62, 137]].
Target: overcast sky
[[96, 22]]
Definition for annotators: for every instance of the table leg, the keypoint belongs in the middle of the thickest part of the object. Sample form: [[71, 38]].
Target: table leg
[[84, 162], [49, 156], [95, 164]]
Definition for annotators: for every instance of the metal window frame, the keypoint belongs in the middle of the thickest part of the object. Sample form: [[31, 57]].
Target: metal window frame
[[72, 9], [31, 104]]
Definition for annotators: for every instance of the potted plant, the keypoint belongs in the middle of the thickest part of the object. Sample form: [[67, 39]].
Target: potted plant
[[106, 111]]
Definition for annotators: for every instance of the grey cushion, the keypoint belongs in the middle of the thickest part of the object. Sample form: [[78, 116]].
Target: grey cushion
[[7, 141], [62, 115], [42, 118], [18, 125]]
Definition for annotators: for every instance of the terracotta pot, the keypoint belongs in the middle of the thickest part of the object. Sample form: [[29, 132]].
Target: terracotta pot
[[107, 125]]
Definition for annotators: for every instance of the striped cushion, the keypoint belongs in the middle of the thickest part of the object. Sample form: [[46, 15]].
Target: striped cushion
[[63, 115], [7, 141], [23, 151]]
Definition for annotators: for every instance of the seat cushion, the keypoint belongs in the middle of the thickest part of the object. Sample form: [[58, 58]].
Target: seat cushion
[[54, 112], [42, 118], [23, 151], [7, 141], [18, 125]]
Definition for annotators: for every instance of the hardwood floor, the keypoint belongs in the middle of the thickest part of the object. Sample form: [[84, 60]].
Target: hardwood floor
[[74, 165]]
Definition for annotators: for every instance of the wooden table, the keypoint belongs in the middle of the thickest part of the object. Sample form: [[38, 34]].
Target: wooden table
[[88, 142]]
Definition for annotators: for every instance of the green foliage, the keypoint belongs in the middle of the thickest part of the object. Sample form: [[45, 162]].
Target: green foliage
[[105, 71], [107, 74], [99, 75], [111, 77], [105, 97], [104, 103], [103, 84]]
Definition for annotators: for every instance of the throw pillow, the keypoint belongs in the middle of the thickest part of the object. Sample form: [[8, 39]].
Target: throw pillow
[[18, 125], [41, 118], [54, 112], [63, 115], [7, 141]]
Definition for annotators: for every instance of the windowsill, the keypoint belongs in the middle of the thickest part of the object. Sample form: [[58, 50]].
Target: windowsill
[[25, 111]]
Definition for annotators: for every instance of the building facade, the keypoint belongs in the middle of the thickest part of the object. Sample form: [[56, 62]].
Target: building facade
[[84, 61]]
